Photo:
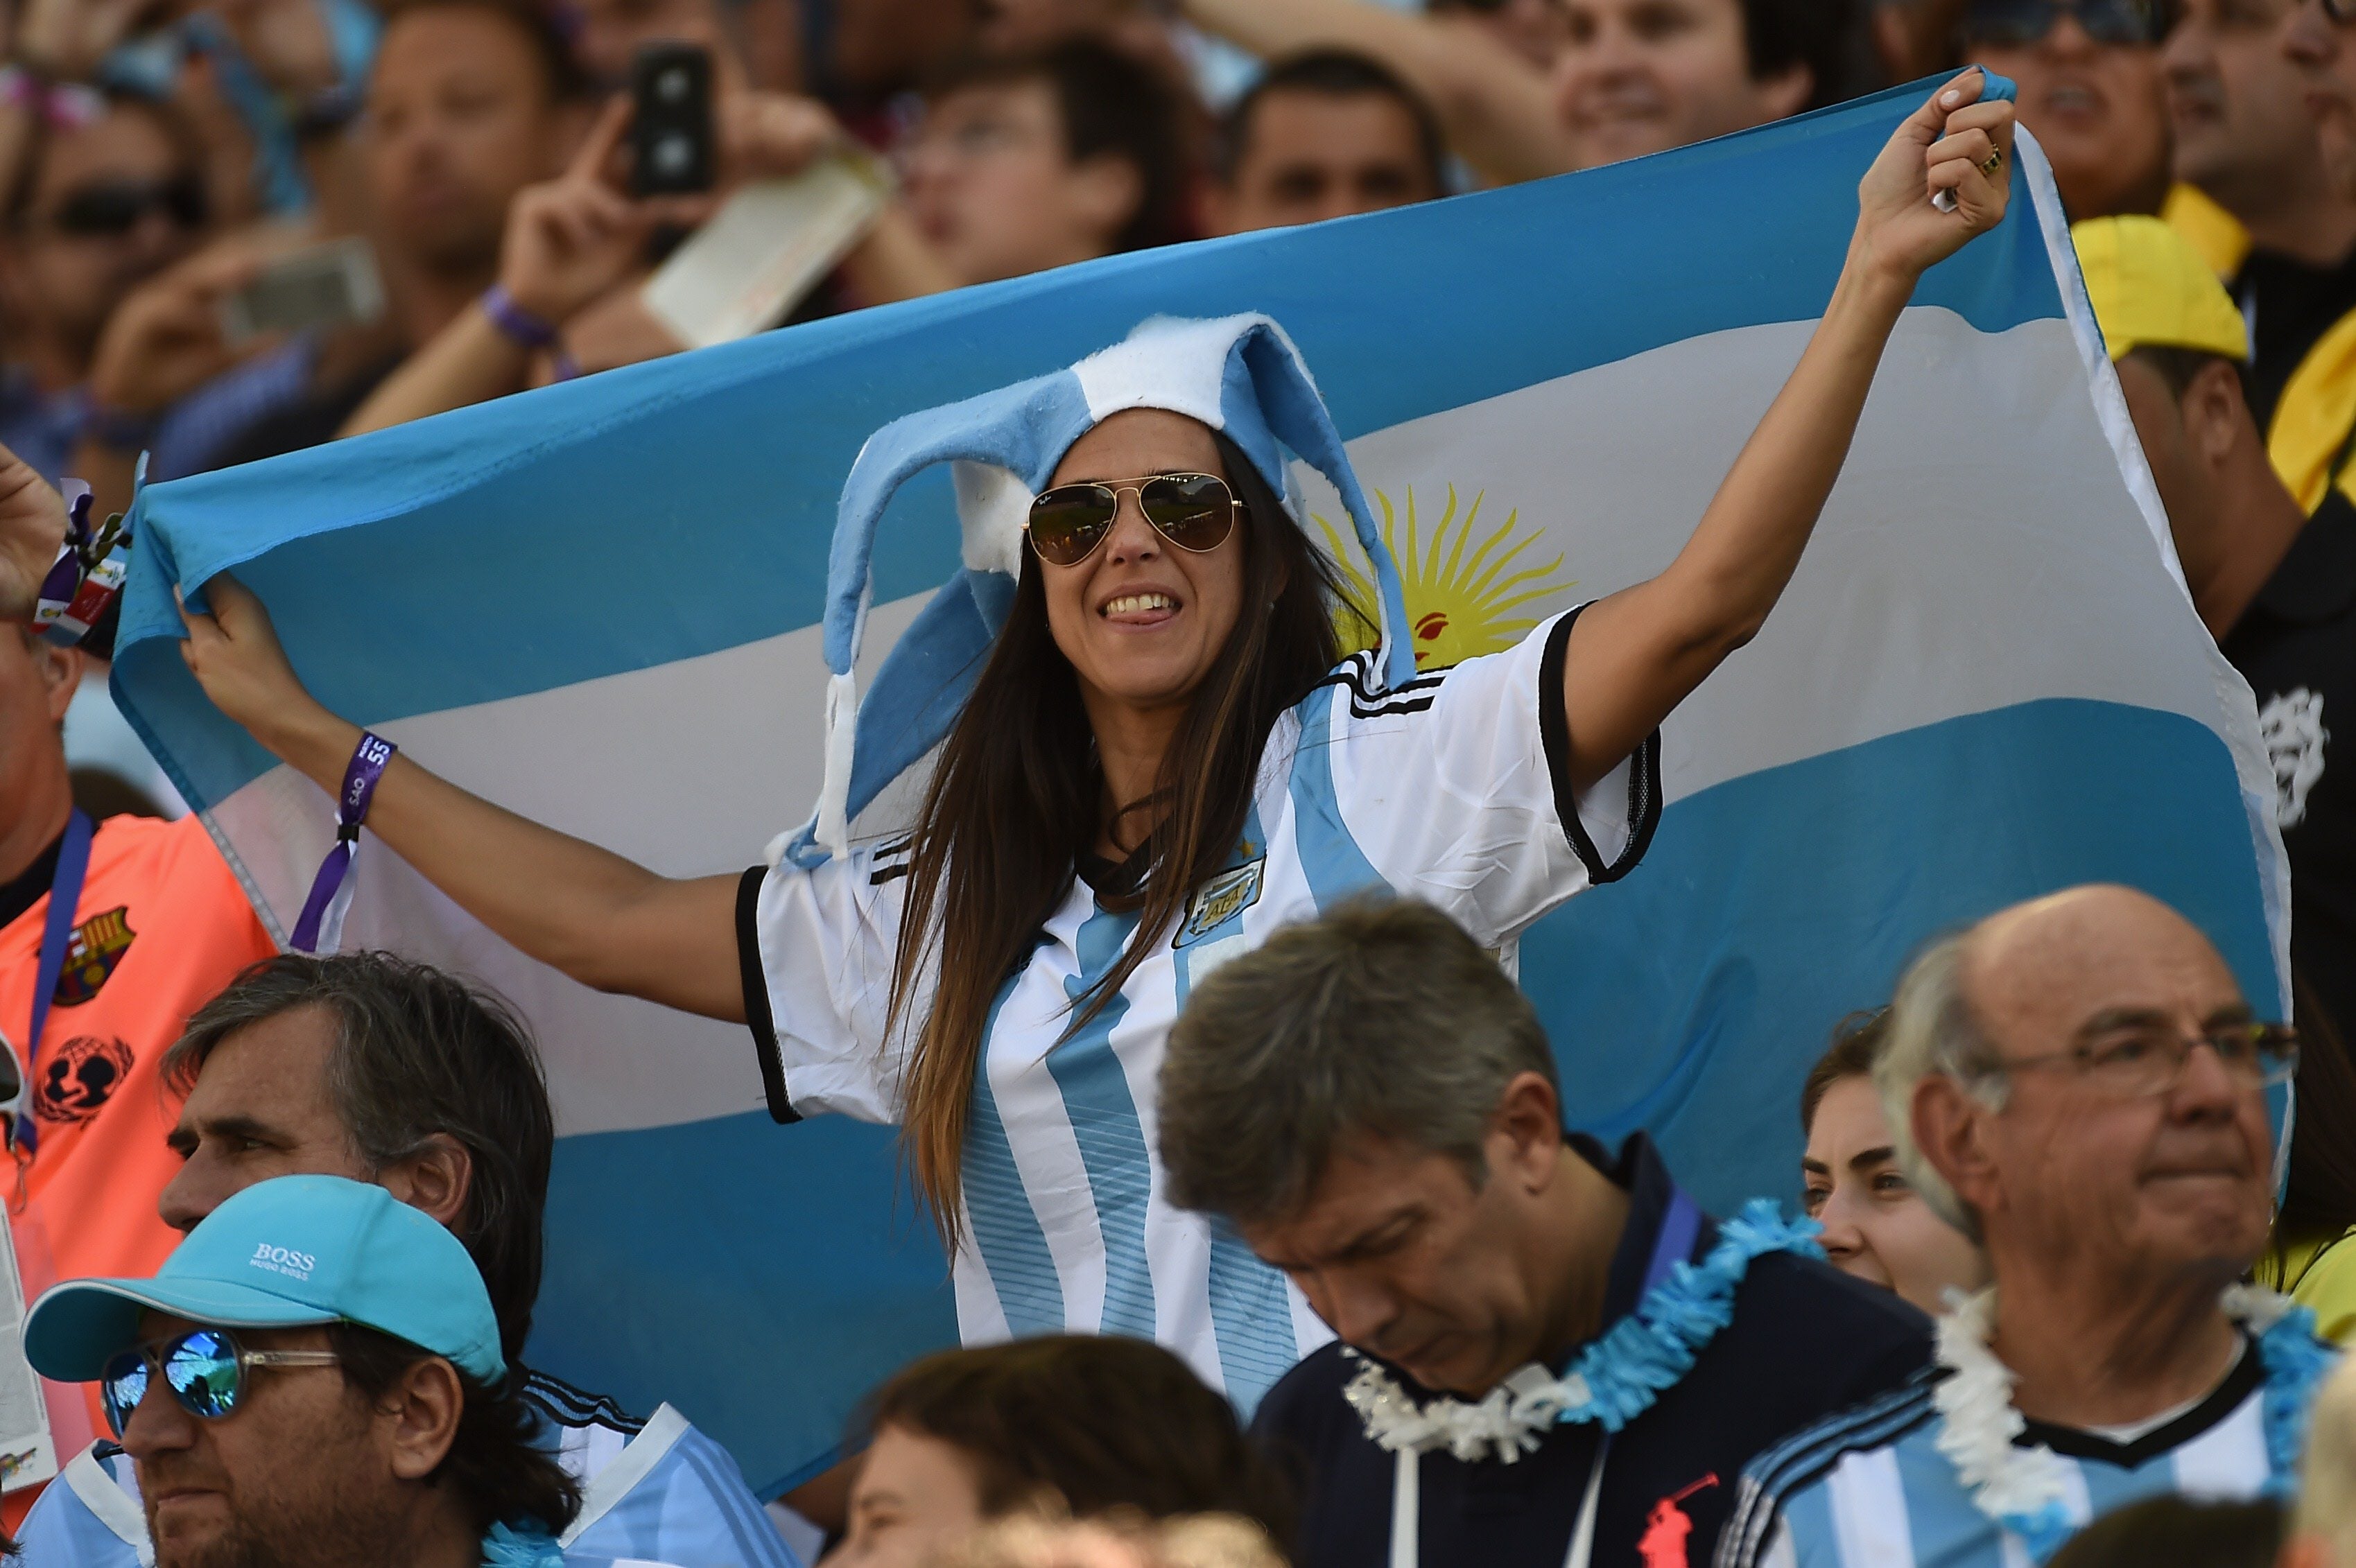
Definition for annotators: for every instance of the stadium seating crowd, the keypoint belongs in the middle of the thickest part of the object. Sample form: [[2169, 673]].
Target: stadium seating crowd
[[463, 176]]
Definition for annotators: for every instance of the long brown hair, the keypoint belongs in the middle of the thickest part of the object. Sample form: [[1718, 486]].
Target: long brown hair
[[2319, 1192], [1018, 796]]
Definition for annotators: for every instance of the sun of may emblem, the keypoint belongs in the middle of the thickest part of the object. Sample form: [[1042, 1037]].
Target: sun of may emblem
[[1462, 590]]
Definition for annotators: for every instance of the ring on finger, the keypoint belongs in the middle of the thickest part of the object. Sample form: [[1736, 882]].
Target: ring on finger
[[1993, 161]]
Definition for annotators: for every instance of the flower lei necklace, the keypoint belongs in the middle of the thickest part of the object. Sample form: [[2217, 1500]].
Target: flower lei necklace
[[2022, 1489], [526, 1547], [1616, 1379]]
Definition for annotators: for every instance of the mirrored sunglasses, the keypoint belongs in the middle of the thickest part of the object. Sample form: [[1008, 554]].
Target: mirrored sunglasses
[[205, 1370], [1194, 511]]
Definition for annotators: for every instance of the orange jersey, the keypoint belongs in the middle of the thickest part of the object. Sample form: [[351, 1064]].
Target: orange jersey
[[161, 927]]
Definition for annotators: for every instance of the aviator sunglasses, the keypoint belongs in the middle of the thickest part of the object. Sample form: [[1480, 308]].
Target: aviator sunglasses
[[205, 1369], [1194, 511]]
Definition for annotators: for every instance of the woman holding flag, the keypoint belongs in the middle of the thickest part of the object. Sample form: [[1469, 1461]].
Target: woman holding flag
[[1162, 761]]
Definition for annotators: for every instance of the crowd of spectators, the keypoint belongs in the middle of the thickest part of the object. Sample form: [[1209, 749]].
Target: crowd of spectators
[[159, 156], [164, 156], [1398, 1144]]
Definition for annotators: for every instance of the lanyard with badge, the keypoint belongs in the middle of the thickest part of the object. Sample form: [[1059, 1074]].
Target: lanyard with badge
[[57, 937], [28, 1446], [1529, 1402], [80, 590], [1680, 1228]]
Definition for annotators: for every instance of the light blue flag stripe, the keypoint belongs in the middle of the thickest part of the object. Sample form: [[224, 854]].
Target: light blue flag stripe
[[1664, 1002]]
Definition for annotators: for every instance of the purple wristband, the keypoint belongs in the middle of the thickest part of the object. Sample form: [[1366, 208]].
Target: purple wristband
[[331, 889], [514, 320]]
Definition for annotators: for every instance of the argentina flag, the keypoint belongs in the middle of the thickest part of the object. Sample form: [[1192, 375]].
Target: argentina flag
[[598, 604]]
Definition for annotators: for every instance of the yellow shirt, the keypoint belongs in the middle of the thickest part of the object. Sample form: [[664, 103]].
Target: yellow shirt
[[2309, 440], [2211, 230], [2322, 1278]]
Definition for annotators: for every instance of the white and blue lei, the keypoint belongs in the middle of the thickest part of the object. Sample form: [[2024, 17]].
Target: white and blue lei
[[1612, 1381], [530, 1547], [2023, 1488]]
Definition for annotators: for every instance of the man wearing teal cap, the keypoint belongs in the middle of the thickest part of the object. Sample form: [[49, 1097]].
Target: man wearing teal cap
[[313, 1379]]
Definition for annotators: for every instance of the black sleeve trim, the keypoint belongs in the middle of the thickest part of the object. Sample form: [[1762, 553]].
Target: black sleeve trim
[[757, 1017], [1643, 775], [571, 1406]]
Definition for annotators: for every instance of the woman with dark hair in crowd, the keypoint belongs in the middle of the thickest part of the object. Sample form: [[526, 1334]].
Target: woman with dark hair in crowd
[[2312, 1255], [1877, 1226], [1150, 759], [1062, 1427]]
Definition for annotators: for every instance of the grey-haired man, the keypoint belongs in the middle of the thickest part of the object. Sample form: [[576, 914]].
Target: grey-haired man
[[2079, 1081], [1526, 1376], [378, 1070]]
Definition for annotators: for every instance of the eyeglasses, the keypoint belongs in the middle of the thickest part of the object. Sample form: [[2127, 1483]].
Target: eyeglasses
[[114, 208], [205, 1369], [2130, 1062], [1194, 511], [2016, 24]]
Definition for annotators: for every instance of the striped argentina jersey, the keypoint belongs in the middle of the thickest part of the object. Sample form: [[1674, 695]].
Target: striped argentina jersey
[[1449, 788], [1868, 1488]]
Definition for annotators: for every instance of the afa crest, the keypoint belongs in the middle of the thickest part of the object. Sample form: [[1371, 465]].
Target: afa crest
[[98, 945], [1461, 604], [1220, 899]]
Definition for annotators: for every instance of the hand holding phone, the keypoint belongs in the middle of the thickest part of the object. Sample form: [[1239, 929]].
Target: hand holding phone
[[322, 286], [572, 238]]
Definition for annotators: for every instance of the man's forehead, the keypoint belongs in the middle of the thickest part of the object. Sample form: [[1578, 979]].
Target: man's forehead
[[1367, 1180], [280, 1061], [123, 141], [154, 1325], [2063, 960], [417, 48]]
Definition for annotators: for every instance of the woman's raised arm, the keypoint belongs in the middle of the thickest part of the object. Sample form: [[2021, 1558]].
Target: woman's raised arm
[[1639, 652], [607, 921]]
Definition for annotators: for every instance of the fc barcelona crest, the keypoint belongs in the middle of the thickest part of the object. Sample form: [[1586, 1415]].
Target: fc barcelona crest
[[98, 945]]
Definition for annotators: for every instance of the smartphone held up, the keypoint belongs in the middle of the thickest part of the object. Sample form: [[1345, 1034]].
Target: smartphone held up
[[310, 290], [673, 143]]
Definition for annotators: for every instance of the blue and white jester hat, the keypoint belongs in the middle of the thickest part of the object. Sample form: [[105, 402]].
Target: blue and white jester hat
[[1240, 375]]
